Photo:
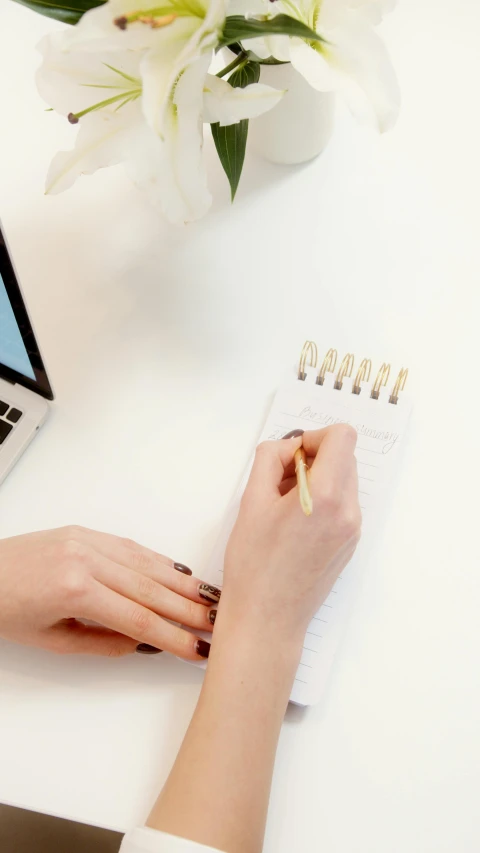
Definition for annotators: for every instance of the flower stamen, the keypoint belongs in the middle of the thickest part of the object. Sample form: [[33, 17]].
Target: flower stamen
[[154, 18], [124, 98]]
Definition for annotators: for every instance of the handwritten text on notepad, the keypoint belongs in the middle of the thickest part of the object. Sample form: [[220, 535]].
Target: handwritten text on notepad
[[386, 438]]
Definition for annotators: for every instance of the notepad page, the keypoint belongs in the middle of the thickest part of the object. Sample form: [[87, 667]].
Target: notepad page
[[380, 426]]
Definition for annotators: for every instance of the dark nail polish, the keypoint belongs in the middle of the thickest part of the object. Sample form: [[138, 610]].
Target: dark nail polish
[[145, 649], [295, 433], [209, 592], [202, 648], [183, 569], [212, 616]]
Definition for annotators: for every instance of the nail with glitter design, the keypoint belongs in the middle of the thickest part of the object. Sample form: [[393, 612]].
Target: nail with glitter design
[[209, 592], [212, 616]]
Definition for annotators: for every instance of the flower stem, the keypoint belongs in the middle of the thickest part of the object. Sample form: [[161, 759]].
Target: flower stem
[[239, 60]]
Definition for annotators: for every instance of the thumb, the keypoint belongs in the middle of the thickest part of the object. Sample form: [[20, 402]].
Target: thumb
[[70, 637], [271, 460]]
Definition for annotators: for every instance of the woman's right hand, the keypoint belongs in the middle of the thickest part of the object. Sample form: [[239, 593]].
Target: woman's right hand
[[279, 568], [280, 564], [52, 580]]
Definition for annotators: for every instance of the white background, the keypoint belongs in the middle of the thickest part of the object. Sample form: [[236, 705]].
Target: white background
[[165, 345]]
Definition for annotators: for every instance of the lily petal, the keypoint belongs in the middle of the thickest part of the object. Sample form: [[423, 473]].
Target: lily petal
[[371, 87], [178, 182], [266, 46], [228, 105], [374, 10], [313, 64], [356, 63], [161, 67], [71, 82], [176, 48], [104, 138]]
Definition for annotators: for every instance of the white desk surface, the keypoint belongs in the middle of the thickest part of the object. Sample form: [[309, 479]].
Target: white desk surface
[[159, 337]]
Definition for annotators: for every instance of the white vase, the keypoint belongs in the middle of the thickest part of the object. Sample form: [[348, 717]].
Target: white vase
[[300, 126]]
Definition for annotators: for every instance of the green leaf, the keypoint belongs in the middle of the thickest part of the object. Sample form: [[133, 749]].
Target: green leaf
[[231, 141], [245, 75], [238, 28], [69, 12]]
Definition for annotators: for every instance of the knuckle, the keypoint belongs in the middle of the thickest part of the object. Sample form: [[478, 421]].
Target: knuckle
[[264, 448], [115, 650], [141, 562], [330, 501], [71, 550], [349, 525], [75, 583], [147, 588], [184, 644], [190, 612], [128, 543], [141, 622], [345, 431], [73, 531]]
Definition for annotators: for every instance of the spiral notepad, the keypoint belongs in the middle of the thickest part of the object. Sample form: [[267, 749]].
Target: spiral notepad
[[311, 398]]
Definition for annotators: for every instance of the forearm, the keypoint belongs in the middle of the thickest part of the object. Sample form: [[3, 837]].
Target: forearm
[[218, 790]]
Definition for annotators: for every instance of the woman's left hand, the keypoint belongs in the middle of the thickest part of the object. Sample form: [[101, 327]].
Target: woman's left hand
[[52, 580]]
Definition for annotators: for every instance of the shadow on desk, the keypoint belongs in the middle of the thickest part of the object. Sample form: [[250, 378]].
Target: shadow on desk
[[23, 832]]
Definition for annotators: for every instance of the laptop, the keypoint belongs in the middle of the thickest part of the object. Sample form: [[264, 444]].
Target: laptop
[[24, 384]]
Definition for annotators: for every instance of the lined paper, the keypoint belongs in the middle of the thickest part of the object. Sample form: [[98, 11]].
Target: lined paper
[[380, 426]]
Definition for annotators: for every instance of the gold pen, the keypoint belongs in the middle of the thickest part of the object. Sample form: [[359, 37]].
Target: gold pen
[[301, 470]]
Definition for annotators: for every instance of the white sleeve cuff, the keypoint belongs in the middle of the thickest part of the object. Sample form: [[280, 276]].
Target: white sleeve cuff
[[147, 840]]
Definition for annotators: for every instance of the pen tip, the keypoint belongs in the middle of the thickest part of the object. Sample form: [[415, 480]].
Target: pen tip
[[307, 506]]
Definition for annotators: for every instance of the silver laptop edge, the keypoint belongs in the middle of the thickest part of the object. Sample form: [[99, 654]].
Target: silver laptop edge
[[24, 384]]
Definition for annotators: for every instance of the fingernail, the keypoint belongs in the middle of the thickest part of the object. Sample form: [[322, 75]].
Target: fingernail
[[212, 616], [145, 649], [295, 433], [202, 648], [209, 593], [183, 569]]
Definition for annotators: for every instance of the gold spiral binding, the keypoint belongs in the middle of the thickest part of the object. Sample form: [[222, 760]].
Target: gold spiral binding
[[309, 349], [363, 375], [346, 369], [328, 364], [399, 385], [309, 357], [382, 379]]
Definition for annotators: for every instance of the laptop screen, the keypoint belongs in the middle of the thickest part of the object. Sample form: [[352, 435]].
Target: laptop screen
[[20, 359], [13, 352]]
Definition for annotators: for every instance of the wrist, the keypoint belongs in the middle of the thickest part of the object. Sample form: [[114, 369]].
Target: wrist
[[271, 628], [248, 643]]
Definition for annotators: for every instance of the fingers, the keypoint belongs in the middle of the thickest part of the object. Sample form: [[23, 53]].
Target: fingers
[[144, 590], [334, 460], [70, 637], [133, 620], [126, 552], [287, 485], [271, 460], [120, 549], [333, 470]]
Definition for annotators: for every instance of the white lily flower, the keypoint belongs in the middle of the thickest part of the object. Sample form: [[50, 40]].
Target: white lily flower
[[145, 107], [351, 59], [102, 93]]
